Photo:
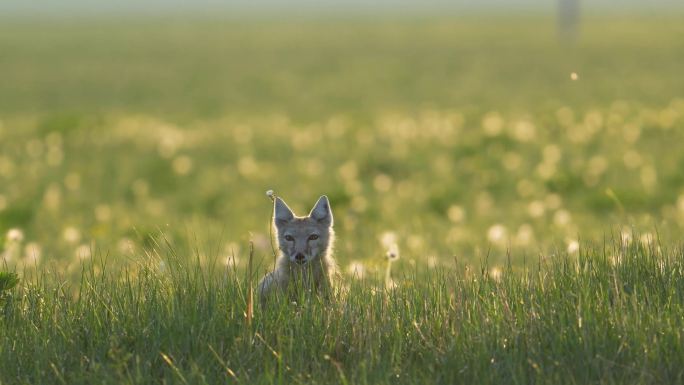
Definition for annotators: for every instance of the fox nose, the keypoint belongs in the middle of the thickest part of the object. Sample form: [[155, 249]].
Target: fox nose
[[299, 257]]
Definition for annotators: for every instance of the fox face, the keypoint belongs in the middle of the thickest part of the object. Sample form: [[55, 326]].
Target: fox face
[[304, 239]]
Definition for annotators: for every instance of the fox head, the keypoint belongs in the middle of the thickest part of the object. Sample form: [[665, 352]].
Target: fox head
[[304, 239]]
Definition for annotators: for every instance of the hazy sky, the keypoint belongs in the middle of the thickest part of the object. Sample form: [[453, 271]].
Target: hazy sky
[[161, 6]]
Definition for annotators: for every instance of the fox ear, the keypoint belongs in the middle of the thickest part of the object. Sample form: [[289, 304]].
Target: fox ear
[[283, 214], [321, 211]]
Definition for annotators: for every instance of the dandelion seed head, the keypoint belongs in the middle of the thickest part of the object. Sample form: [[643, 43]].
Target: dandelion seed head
[[388, 238], [348, 171], [484, 201], [382, 183], [536, 209], [511, 161], [242, 134], [182, 165], [546, 170], [525, 188], [680, 203], [492, 124], [497, 233], [34, 148], [392, 253], [415, 242], [597, 165], [15, 235], [524, 131], [525, 235], [649, 177], [169, 145], [73, 181], [155, 207], [565, 116], [632, 159], [553, 201], [103, 213], [71, 234], [54, 139], [561, 217], [247, 166], [552, 153], [359, 203], [140, 187], [7, 166], [631, 133], [54, 156], [456, 213]]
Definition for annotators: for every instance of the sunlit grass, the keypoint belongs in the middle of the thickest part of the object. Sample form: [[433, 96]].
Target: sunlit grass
[[612, 314], [508, 206]]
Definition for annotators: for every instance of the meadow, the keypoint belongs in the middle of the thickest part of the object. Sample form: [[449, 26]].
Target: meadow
[[532, 186]]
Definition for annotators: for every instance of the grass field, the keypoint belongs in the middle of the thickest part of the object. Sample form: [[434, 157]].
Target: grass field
[[595, 319], [533, 187]]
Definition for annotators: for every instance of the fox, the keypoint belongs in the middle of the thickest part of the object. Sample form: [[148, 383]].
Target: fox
[[305, 258]]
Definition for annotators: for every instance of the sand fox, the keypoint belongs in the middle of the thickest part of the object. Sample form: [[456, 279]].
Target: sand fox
[[305, 259]]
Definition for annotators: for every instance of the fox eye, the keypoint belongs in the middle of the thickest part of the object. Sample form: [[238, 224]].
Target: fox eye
[[313, 237], [289, 238]]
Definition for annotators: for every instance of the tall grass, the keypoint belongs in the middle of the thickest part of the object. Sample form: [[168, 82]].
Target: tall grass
[[614, 314]]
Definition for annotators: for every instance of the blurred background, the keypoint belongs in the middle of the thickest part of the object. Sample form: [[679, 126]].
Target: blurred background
[[490, 130]]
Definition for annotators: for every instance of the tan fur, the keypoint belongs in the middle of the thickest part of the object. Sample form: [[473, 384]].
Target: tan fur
[[303, 262]]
